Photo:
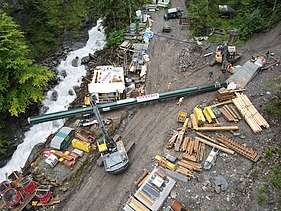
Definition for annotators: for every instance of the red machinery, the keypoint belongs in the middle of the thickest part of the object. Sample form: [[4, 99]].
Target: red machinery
[[4, 186], [28, 185], [44, 194], [12, 197]]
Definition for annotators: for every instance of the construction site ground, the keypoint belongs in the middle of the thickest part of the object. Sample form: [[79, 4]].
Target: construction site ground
[[150, 126]]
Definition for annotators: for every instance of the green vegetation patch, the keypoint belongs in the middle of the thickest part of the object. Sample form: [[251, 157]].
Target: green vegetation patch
[[250, 17]]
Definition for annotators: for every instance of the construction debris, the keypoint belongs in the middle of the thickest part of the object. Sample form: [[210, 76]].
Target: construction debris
[[250, 113], [223, 149], [231, 127], [152, 193], [224, 94], [239, 148]]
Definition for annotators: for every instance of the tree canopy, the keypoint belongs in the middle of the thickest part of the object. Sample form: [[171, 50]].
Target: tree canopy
[[250, 17], [21, 81]]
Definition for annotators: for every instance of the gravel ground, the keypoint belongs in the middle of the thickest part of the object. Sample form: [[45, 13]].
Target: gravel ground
[[150, 127]]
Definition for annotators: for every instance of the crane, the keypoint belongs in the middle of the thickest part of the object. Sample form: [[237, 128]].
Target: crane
[[114, 155]]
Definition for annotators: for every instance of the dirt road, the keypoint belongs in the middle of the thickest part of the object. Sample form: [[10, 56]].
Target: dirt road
[[149, 126]]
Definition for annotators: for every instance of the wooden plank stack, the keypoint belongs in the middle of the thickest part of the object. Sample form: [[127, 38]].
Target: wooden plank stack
[[230, 114], [193, 153], [250, 113], [225, 94], [192, 149]]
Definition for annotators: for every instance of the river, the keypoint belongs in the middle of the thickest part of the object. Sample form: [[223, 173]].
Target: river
[[39, 133]]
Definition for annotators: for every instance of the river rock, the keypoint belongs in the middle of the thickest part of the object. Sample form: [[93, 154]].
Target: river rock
[[43, 109], [85, 60], [34, 153], [63, 73], [71, 92], [54, 96], [75, 62]]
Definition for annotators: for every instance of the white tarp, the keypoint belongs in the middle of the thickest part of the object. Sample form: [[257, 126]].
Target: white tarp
[[107, 79]]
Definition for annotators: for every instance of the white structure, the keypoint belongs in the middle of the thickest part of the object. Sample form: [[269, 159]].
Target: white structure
[[107, 83], [162, 3]]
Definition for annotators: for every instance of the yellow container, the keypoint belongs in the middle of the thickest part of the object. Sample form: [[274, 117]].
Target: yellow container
[[199, 115], [82, 145], [209, 114]]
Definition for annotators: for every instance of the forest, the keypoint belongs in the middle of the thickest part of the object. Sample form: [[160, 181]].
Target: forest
[[31, 29]]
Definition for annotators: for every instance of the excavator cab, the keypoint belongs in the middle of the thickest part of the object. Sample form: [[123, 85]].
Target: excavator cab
[[102, 146]]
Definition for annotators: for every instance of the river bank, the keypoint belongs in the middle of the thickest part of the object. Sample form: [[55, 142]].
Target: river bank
[[17, 126]]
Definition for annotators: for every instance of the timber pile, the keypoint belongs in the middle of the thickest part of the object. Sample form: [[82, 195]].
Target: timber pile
[[225, 94], [230, 114], [250, 113], [239, 148], [193, 153]]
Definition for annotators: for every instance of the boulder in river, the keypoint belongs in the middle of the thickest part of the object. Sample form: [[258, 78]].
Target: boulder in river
[[54, 96], [75, 62]]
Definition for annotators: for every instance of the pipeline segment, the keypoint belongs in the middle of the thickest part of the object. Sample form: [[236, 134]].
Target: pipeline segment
[[127, 102]]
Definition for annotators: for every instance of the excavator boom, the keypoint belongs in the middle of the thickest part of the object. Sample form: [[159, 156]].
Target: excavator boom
[[114, 155]]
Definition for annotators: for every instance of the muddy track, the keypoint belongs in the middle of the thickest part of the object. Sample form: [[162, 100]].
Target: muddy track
[[149, 126]]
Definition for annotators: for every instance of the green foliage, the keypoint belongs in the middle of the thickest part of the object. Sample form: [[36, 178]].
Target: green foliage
[[50, 20], [115, 37], [21, 80], [275, 177], [268, 152], [251, 16], [272, 180], [262, 194], [274, 106]]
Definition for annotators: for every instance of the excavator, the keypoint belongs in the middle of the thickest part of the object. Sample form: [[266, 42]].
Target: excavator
[[226, 54], [113, 154]]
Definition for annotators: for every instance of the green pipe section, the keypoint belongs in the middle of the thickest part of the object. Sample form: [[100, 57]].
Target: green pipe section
[[127, 102]]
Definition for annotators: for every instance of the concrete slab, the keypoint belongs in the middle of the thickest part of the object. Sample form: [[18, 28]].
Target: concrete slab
[[244, 74]]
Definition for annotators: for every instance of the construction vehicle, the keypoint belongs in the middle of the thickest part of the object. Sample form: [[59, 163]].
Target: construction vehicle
[[225, 55], [113, 154]]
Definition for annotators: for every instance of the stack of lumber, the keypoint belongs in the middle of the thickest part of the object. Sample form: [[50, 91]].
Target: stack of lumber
[[230, 114], [239, 148], [192, 149], [193, 153], [250, 113], [225, 94], [194, 121]]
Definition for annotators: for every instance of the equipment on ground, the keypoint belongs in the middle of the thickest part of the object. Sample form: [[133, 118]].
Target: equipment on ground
[[182, 115], [225, 55], [172, 13], [114, 155]]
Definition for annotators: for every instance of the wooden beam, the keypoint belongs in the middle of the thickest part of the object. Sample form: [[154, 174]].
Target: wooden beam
[[210, 139], [223, 149], [222, 103], [231, 127]]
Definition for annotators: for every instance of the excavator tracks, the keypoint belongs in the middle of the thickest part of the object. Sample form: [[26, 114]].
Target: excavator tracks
[[239, 148]]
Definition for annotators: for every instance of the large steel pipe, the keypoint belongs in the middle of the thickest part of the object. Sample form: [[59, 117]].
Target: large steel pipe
[[128, 102]]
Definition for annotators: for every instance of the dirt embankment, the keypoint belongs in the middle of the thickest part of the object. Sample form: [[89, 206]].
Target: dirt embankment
[[149, 127]]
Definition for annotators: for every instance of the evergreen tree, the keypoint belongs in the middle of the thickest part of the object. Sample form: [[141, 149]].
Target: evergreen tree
[[21, 81]]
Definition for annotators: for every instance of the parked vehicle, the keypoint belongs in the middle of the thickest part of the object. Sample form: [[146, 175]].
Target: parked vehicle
[[172, 13]]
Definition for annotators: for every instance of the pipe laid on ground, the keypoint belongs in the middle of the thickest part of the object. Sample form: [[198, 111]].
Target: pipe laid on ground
[[127, 102]]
